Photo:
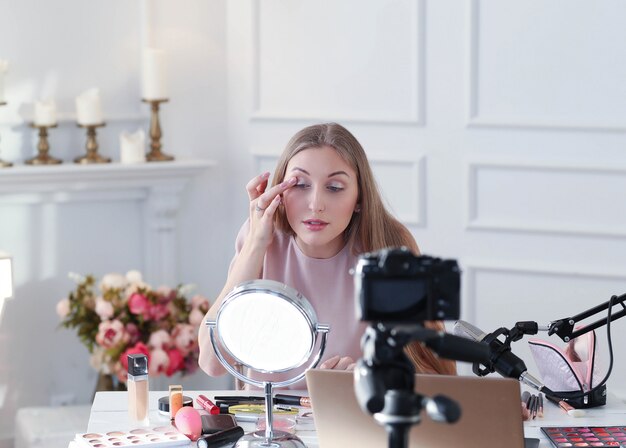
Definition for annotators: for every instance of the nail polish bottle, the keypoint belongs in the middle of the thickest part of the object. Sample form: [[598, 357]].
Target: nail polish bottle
[[138, 388]]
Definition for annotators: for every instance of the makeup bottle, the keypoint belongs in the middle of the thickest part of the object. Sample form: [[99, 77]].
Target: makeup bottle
[[138, 388]]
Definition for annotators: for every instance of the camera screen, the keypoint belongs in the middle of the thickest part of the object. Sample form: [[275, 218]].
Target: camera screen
[[404, 297]]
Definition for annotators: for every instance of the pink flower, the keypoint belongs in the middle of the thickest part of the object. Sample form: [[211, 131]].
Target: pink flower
[[177, 362], [139, 347], [111, 333], [158, 311], [63, 308], [113, 281], [159, 362], [138, 304], [199, 301], [196, 317], [134, 334], [185, 338], [160, 339], [104, 308]]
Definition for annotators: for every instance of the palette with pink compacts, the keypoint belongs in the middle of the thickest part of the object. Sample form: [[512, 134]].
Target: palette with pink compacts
[[158, 437], [592, 436]]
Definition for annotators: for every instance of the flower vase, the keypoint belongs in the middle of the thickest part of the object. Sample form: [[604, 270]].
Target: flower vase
[[108, 383]]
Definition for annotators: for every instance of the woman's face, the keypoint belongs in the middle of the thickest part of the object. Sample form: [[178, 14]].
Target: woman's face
[[321, 203]]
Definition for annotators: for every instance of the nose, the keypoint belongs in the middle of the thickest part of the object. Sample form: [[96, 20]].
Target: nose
[[316, 200]]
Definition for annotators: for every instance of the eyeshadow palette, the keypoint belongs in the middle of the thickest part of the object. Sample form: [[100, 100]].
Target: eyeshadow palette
[[161, 436], [592, 436]]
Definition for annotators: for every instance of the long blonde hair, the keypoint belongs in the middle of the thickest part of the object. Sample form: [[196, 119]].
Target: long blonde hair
[[372, 227]]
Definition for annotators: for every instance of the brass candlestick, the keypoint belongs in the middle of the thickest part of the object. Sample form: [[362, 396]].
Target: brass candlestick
[[4, 164], [92, 155], [43, 158], [155, 154]]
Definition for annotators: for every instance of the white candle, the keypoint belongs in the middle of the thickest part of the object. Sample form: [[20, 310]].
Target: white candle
[[132, 147], [4, 65], [88, 108], [154, 75], [45, 113]]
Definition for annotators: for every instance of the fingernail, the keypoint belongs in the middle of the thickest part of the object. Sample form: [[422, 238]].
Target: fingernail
[[265, 175]]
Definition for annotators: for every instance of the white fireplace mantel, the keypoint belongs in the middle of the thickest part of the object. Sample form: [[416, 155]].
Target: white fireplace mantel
[[158, 186]]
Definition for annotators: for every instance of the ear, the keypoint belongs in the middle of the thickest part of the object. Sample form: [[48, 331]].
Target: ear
[[357, 209]]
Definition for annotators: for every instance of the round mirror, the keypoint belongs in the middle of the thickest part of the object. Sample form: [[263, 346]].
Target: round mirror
[[267, 326], [270, 328]]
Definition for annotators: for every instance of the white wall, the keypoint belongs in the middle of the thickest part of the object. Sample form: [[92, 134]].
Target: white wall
[[496, 130]]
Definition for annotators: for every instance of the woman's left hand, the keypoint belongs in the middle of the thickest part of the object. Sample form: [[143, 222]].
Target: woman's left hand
[[338, 363]]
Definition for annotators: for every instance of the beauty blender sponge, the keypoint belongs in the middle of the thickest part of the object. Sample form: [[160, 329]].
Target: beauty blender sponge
[[188, 422]]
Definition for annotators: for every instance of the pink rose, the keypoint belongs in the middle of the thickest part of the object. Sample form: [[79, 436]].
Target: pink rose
[[111, 333], [159, 362], [158, 311], [63, 308], [196, 317], [185, 338], [104, 308], [199, 301], [177, 362], [138, 304], [134, 335], [160, 339]]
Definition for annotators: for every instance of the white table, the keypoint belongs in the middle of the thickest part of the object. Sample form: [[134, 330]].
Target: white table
[[110, 412]]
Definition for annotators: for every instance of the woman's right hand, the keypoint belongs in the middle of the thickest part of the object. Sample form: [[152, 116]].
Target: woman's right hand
[[263, 204]]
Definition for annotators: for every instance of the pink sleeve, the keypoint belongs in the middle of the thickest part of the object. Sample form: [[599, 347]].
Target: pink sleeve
[[241, 238]]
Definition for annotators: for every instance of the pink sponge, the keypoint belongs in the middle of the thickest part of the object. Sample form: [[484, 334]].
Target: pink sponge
[[188, 422]]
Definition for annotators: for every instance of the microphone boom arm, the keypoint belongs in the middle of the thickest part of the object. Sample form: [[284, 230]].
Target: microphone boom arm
[[564, 328]]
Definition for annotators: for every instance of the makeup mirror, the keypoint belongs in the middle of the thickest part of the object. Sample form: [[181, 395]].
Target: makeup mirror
[[267, 327]]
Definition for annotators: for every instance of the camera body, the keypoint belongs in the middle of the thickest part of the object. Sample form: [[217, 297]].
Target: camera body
[[393, 285]]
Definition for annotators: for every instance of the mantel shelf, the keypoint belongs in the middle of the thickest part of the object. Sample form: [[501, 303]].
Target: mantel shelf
[[109, 176]]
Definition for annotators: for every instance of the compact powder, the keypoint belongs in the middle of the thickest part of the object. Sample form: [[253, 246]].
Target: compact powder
[[164, 404]]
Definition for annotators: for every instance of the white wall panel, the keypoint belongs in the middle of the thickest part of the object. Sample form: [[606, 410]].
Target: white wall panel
[[308, 66], [501, 294], [547, 64], [556, 199]]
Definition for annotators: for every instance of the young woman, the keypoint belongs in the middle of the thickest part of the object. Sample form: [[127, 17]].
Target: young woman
[[307, 230]]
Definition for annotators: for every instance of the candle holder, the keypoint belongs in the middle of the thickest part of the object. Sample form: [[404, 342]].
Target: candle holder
[[4, 164], [155, 154], [92, 155], [43, 157]]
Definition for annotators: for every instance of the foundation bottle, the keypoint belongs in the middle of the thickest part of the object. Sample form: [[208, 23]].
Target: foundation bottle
[[138, 389]]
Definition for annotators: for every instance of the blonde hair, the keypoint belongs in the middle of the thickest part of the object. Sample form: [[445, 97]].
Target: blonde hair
[[372, 227]]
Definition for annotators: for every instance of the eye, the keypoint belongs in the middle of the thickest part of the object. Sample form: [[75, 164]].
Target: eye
[[335, 188], [301, 184]]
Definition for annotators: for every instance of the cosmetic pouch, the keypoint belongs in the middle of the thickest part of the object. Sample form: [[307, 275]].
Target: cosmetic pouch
[[571, 371]]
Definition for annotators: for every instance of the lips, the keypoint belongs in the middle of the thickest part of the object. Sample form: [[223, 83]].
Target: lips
[[315, 224]]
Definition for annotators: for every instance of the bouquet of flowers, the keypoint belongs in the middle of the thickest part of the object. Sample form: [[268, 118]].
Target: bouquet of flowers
[[124, 315]]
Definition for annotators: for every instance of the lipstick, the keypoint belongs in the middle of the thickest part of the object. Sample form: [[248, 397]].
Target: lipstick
[[207, 405]]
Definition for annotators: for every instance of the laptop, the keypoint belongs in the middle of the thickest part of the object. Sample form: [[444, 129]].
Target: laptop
[[491, 413]]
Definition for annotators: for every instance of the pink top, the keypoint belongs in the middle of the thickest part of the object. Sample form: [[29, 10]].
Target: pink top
[[326, 283]]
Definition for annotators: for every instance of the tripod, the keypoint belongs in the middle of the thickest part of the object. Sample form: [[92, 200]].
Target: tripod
[[385, 377]]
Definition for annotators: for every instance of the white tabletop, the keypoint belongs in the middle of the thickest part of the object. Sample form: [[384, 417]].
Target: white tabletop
[[110, 412]]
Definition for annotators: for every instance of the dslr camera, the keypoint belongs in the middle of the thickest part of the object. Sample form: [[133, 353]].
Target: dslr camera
[[393, 285]]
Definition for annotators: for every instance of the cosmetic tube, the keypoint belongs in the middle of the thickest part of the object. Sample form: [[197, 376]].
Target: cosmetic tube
[[138, 389], [220, 438], [176, 399]]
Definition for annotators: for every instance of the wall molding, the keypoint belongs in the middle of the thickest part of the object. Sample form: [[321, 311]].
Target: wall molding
[[418, 108], [476, 119], [471, 268], [474, 222]]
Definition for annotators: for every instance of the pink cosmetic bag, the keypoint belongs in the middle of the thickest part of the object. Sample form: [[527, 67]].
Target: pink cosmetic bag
[[571, 371]]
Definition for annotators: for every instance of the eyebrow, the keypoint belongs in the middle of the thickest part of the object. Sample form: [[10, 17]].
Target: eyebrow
[[335, 173]]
